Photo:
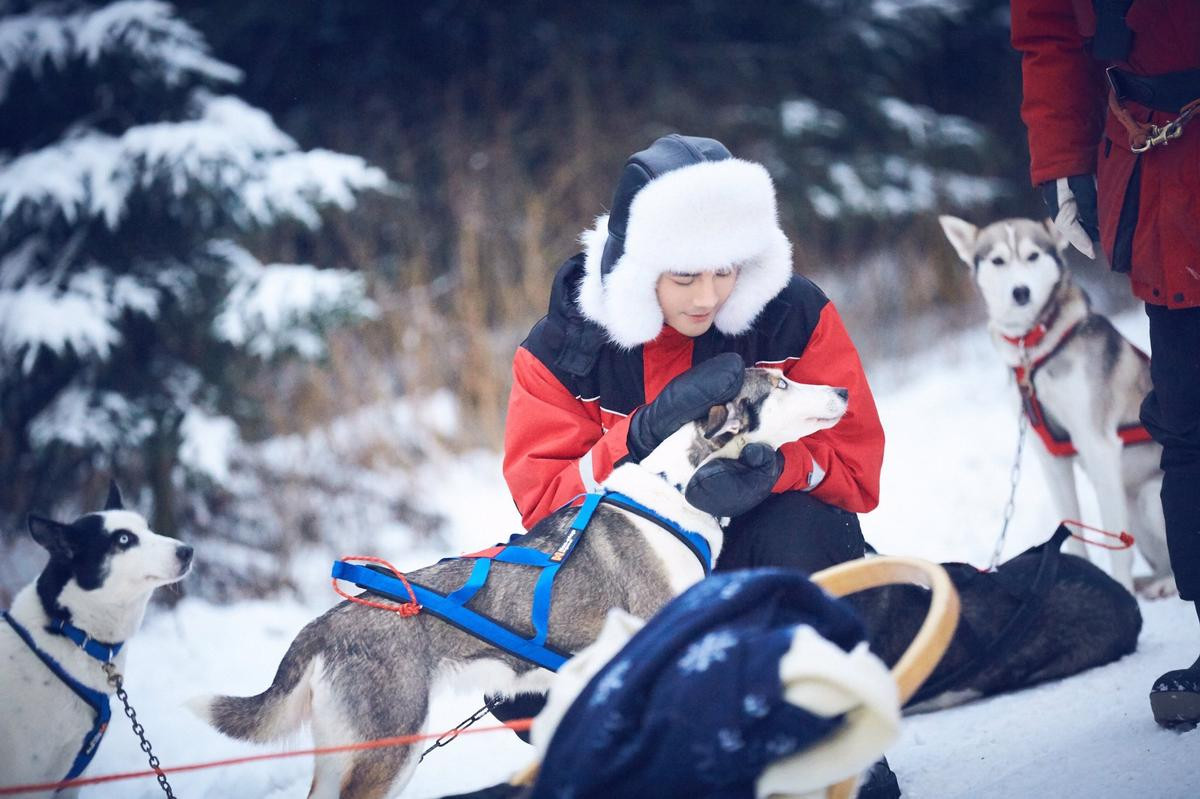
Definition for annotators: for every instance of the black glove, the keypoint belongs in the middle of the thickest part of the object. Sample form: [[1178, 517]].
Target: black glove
[[729, 487], [684, 399], [1071, 203]]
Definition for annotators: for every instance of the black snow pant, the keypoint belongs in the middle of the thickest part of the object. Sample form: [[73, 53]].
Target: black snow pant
[[792, 530], [1171, 412]]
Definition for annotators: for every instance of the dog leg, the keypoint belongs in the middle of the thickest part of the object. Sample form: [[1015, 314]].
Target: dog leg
[[340, 717], [1101, 460], [1060, 479]]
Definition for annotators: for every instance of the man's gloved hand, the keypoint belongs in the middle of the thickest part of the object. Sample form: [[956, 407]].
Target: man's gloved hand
[[1071, 203], [684, 399], [730, 487]]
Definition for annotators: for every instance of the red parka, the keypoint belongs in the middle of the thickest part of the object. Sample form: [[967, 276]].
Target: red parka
[[574, 392], [1072, 132]]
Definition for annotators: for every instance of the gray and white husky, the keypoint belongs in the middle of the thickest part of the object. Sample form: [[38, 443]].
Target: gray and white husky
[[1088, 379], [360, 673], [103, 567]]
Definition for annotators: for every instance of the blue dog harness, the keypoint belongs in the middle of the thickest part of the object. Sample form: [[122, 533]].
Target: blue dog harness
[[96, 700], [452, 607]]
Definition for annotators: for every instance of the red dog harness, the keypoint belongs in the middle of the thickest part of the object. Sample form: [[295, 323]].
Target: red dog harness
[[1056, 440]]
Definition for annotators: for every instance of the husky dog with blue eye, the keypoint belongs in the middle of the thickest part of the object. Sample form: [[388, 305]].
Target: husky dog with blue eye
[[65, 626], [1081, 385], [360, 673]]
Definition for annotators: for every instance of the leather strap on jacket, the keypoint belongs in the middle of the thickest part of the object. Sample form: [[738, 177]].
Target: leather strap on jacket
[[1175, 92]]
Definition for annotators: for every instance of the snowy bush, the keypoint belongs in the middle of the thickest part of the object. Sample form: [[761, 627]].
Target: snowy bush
[[128, 311]]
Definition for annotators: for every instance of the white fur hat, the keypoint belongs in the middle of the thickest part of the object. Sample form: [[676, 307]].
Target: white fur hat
[[683, 205]]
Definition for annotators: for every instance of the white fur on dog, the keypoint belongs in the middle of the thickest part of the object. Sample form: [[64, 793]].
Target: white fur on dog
[[702, 216]]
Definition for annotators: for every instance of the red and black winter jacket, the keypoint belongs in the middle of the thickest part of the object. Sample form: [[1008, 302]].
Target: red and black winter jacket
[[1154, 198], [574, 392]]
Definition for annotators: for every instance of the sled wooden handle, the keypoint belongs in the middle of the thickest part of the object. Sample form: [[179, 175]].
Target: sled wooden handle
[[931, 640], [922, 655]]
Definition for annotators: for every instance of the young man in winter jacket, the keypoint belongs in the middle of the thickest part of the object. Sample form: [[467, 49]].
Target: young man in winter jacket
[[691, 263], [1107, 175]]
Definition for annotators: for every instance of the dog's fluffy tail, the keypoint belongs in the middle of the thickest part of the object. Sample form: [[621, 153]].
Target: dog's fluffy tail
[[275, 712]]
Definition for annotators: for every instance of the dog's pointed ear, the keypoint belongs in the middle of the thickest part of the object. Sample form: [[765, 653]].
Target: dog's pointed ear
[[961, 234], [721, 419], [54, 536], [113, 502]]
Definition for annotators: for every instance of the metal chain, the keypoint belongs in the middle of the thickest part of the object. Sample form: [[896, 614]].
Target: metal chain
[[450, 735], [117, 682], [1025, 389]]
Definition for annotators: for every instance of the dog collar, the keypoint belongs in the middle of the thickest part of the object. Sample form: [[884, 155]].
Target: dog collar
[[98, 650], [1034, 335]]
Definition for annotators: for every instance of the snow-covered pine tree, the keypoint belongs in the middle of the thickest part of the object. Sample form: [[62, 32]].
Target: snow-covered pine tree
[[863, 149], [127, 173]]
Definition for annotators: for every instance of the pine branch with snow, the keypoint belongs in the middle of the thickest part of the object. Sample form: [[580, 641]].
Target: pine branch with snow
[[125, 299]]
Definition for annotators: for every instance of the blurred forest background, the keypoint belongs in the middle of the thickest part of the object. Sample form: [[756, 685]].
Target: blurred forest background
[[262, 261]]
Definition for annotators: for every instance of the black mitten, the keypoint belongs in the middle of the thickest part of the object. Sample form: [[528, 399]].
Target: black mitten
[[730, 487], [684, 399]]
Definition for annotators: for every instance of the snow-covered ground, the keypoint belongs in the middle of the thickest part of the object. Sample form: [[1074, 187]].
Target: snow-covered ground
[[951, 426]]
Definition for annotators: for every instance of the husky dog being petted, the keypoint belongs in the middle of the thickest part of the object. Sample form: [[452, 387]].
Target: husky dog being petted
[[361, 673], [1081, 384], [65, 626]]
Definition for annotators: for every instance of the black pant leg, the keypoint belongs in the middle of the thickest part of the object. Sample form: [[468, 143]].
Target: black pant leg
[[791, 530], [1171, 412]]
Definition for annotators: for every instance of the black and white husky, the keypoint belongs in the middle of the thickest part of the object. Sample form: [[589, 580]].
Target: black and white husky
[[361, 673], [1083, 385], [62, 628]]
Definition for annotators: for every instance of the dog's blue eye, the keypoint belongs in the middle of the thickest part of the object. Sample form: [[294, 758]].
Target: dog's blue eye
[[782, 384], [125, 539]]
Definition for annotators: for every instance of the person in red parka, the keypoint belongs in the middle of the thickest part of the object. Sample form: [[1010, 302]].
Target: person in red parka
[[1110, 89], [691, 264]]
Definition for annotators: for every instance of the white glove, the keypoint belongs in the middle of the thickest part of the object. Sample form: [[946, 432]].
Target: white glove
[[1071, 203]]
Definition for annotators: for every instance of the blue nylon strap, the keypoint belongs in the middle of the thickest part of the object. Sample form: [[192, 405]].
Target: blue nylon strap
[[100, 651], [694, 541], [541, 603], [590, 503], [96, 700], [451, 608], [523, 555], [464, 618], [479, 574]]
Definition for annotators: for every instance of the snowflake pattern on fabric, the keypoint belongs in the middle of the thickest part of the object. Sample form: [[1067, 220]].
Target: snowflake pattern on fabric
[[781, 745], [730, 740], [755, 706], [612, 681], [708, 650], [732, 588]]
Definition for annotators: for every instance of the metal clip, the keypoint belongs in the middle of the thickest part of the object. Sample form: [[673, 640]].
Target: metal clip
[[1156, 136]]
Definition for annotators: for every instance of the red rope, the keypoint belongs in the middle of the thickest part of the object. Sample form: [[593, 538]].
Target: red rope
[[518, 725], [410, 608], [1125, 539]]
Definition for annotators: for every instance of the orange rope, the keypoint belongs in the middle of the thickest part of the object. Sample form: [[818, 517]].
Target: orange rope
[[1125, 538], [518, 725], [411, 608]]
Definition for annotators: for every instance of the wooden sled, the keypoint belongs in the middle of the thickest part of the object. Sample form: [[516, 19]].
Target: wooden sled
[[922, 655]]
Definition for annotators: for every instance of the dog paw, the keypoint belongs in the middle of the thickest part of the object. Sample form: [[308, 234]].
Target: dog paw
[[1155, 587]]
